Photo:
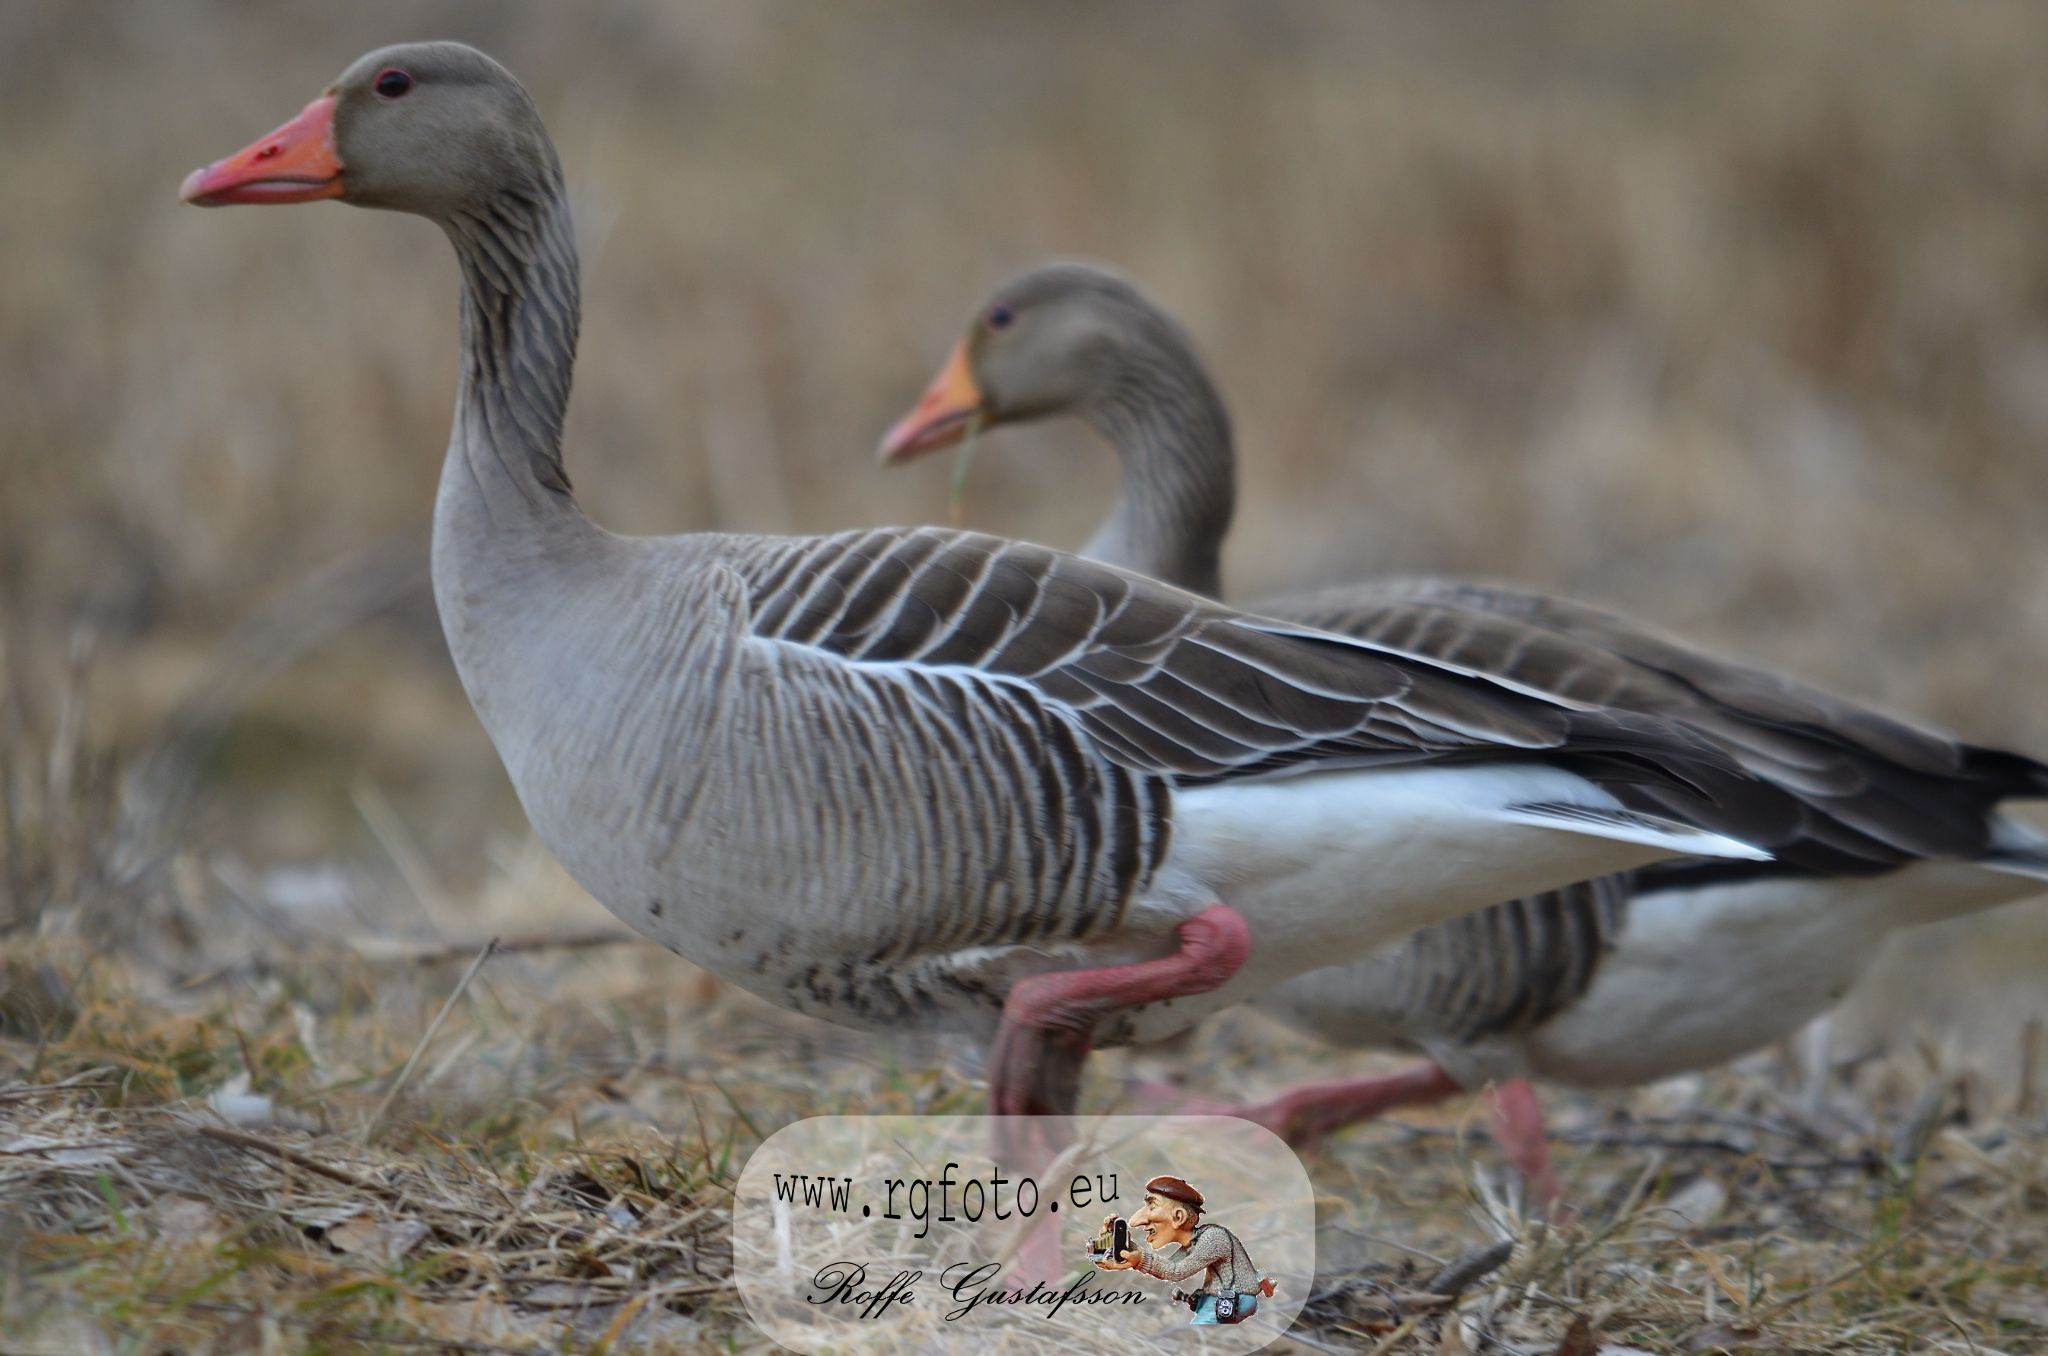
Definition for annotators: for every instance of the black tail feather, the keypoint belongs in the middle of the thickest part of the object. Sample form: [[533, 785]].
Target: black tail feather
[[2009, 776]]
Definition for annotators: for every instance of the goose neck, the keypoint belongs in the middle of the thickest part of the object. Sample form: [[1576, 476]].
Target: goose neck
[[1178, 491], [520, 312]]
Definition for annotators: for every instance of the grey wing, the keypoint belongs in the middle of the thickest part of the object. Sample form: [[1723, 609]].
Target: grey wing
[[1170, 684], [960, 787], [1873, 792]]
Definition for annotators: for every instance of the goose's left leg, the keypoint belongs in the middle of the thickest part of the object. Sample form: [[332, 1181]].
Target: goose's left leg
[[1307, 1113], [1302, 1115], [1517, 1124], [1049, 1020]]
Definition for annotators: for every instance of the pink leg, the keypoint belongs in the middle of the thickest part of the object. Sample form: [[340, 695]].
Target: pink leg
[[1517, 1122], [1038, 1258], [1048, 1026], [1307, 1113], [1154, 1097], [1049, 1020]]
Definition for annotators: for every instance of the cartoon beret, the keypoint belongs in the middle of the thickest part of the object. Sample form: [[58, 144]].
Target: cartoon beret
[[1174, 1189]]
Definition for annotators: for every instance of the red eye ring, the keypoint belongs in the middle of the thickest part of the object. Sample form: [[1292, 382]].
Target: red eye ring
[[392, 83]]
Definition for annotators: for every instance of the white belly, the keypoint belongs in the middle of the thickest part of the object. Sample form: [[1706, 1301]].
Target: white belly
[[1700, 977], [1329, 867]]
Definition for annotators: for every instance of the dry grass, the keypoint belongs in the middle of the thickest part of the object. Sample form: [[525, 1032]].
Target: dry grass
[[204, 1168], [1734, 315]]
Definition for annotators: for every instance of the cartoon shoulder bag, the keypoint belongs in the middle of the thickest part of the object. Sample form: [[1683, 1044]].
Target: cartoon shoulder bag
[[1233, 1303]]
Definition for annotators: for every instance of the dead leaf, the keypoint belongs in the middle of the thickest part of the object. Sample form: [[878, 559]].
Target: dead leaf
[[566, 1295], [1579, 1339], [1694, 1206], [320, 1221], [255, 1334], [184, 1220], [48, 1149], [488, 1317], [2013, 1306], [237, 1105], [381, 1242], [1725, 1337]]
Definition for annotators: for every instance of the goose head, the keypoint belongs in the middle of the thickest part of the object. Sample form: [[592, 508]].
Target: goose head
[[1062, 339], [432, 128]]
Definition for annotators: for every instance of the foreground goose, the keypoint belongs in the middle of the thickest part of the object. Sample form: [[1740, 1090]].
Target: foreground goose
[[1616, 981], [914, 774]]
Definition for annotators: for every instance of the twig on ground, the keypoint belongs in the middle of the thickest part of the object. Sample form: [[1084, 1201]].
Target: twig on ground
[[87, 1081], [1475, 1264], [427, 1037], [392, 949], [2028, 1101], [1394, 1338], [438, 1343], [313, 1165], [1776, 1307], [1296, 1334], [1608, 1139]]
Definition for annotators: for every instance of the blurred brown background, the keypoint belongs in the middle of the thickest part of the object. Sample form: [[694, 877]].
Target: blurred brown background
[[1732, 316]]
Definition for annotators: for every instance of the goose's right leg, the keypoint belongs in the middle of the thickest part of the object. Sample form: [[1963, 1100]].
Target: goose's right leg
[[1048, 1027], [1049, 1020]]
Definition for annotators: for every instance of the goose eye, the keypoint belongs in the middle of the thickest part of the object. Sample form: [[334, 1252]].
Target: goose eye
[[999, 317], [392, 84]]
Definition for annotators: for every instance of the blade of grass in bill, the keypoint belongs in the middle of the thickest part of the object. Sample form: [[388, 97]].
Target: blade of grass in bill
[[956, 498]]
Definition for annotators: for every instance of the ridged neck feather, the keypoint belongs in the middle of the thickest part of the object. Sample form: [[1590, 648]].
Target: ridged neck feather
[[520, 310], [1171, 434]]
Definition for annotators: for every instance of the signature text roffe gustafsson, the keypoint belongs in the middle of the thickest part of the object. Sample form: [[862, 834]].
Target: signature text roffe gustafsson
[[971, 1286]]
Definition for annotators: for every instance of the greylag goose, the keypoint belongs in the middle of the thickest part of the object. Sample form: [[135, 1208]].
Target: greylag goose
[[1614, 981], [925, 775]]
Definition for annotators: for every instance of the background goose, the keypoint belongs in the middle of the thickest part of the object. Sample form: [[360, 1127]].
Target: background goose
[[1613, 981], [910, 773]]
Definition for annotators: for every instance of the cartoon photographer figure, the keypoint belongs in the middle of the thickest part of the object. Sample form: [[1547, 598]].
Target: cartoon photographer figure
[[1230, 1285]]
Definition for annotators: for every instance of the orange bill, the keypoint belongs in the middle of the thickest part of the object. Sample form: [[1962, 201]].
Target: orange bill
[[943, 415], [296, 163]]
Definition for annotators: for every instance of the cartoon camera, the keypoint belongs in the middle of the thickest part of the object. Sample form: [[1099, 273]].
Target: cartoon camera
[[1112, 1243]]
